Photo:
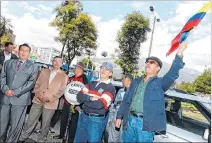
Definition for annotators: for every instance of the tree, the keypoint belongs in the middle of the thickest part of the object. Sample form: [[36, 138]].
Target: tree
[[112, 55], [186, 86], [104, 54], [202, 83], [133, 32], [5, 29], [77, 32], [90, 65]]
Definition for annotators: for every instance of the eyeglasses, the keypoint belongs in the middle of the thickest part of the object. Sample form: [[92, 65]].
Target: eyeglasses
[[44, 67], [151, 62]]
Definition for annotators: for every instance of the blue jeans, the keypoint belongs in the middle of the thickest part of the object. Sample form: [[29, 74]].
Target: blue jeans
[[90, 128], [134, 131]]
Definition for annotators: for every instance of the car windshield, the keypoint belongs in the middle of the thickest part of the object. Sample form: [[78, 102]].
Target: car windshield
[[207, 105]]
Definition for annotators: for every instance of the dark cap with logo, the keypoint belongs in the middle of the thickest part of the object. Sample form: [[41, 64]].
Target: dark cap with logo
[[156, 60]]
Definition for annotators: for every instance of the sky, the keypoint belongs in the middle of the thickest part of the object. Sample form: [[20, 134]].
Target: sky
[[30, 20]]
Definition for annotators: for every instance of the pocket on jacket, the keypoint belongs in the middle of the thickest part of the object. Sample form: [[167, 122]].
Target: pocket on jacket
[[156, 93]]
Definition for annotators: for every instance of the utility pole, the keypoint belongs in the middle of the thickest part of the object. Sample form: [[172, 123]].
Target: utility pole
[[151, 40]]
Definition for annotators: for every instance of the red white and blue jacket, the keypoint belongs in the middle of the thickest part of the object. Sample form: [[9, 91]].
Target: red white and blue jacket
[[105, 90]]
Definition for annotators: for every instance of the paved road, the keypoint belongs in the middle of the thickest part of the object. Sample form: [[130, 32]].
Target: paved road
[[55, 131]]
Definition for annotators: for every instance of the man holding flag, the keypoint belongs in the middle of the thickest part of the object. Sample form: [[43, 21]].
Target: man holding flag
[[143, 109]]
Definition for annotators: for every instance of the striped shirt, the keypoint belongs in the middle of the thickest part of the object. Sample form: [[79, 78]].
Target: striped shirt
[[105, 90]]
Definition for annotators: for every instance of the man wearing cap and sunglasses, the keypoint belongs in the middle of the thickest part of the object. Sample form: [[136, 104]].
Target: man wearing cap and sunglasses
[[143, 109], [96, 98]]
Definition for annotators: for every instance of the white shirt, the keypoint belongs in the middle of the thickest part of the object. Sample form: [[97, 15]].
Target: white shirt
[[7, 57], [52, 75], [106, 82]]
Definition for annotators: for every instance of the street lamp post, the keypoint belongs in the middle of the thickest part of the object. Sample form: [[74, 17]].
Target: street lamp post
[[155, 19]]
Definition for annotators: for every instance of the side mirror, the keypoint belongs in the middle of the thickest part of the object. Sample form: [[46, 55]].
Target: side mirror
[[206, 134]]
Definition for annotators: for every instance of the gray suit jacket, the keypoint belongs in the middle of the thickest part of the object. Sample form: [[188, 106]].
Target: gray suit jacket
[[21, 82]]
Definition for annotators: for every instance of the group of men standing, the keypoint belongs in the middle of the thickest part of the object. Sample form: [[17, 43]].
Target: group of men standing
[[137, 110]]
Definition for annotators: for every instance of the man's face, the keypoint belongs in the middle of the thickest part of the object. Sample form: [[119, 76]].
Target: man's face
[[24, 53], [57, 63], [105, 73], [152, 67], [9, 48], [125, 81], [78, 70]]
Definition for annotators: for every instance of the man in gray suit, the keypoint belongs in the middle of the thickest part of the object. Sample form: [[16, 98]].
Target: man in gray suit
[[18, 77]]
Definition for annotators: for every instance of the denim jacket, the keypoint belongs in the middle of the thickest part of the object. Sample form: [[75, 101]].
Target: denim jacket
[[154, 102]]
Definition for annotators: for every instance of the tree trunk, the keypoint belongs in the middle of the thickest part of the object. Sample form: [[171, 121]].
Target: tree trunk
[[70, 58], [61, 54]]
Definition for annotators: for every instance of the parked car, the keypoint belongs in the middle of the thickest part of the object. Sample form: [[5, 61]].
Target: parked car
[[188, 117]]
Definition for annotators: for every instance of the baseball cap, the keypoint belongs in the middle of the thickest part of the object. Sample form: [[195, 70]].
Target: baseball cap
[[81, 65], [64, 67], [109, 66], [155, 59]]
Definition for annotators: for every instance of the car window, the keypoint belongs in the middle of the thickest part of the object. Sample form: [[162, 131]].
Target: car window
[[191, 112], [186, 116]]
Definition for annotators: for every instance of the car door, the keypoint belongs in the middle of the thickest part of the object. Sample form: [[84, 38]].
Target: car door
[[185, 125]]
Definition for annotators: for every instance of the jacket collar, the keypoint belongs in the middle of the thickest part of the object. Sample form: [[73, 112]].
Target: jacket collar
[[106, 81]]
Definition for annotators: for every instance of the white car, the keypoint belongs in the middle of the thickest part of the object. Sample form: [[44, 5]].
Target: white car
[[188, 117]]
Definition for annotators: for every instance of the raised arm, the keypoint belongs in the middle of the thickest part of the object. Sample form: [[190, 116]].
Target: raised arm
[[173, 73]]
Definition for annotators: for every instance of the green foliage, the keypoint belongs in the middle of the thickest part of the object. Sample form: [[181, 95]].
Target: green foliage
[[88, 62], [135, 73], [5, 26], [131, 35], [202, 83], [77, 32], [186, 86]]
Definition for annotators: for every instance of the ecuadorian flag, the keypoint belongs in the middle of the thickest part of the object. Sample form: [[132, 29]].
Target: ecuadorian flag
[[192, 22]]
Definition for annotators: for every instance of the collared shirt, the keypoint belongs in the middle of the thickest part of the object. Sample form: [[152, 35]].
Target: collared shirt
[[52, 75], [138, 99], [7, 56], [106, 82]]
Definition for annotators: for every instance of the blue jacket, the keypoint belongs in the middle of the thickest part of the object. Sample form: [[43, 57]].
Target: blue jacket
[[154, 102]]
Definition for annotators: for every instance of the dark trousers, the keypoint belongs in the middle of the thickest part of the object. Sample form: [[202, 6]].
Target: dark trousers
[[73, 122]]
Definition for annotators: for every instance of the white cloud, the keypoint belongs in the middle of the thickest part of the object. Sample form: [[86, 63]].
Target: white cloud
[[107, 32], [137, 5], [33, 31], [95, 19], [39, 10], [45, 7], [29, 8], [183, 13], [4, 7]]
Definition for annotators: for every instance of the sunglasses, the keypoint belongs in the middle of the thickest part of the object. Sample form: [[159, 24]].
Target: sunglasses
[[44, 67], [151, 62]]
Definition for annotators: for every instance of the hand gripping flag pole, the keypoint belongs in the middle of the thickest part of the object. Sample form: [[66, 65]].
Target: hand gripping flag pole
[[188, 28]]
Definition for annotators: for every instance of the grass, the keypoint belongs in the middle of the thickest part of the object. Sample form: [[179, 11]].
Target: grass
[[190, 111]]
